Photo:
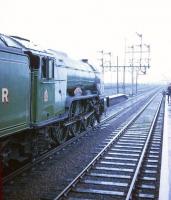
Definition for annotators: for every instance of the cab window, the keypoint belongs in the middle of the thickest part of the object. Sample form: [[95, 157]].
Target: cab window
[[51, 69], [43, 66], [47, 68]]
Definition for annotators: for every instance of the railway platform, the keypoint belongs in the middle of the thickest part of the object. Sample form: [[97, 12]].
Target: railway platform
[[1, 181], [165, 174], [115, 99]]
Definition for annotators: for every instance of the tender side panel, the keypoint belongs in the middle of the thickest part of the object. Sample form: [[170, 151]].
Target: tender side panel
[[14, 93]]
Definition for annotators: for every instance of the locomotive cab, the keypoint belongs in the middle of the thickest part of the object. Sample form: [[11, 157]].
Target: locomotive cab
[[48, 91]]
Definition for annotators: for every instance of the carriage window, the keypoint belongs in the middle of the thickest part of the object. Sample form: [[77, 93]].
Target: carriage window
[[47, 68]]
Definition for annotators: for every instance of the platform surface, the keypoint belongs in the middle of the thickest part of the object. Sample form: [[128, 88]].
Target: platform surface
[[165, 176]]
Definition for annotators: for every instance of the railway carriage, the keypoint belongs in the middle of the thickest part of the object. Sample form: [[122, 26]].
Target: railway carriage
[[45, 97]]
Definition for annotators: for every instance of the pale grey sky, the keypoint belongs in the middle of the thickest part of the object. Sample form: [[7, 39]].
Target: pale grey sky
[[82, 27]]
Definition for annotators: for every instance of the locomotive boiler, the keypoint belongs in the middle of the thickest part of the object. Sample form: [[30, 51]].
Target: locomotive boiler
[[45, 97]]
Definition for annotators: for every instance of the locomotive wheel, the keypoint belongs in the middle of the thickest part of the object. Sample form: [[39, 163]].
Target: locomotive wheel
[[59, 134], [75, 111], [87, 109], [92, 120], [87, 122], [75, 128]]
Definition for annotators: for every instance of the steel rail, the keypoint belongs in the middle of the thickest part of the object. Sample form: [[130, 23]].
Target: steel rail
[[100, 154], [129, 194]]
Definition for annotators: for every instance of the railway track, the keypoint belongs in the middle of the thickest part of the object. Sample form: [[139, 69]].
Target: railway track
[[128, 166], [119, 111], [40, 165]]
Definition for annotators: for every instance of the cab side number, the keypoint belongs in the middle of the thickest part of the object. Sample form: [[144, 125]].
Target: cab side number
[[4, 95]]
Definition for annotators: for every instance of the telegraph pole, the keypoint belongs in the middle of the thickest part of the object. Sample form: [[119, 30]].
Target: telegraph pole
[[132, 67], [140, 45], [110, 64], [117, 76], [103, 62], [123, 86], [102, 66], [132, 70]]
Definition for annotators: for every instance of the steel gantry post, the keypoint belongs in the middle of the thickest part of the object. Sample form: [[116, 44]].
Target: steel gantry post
[[117, 78], [132, 71], [137, 70]]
